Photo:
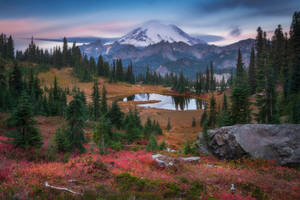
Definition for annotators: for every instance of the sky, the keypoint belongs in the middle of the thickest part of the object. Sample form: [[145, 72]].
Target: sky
[[230, 20]]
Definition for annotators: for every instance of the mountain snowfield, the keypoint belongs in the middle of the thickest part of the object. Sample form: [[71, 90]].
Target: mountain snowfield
[[166, 48], [153, 32]]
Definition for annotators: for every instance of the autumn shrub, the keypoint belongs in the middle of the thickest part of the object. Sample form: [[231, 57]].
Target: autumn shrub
[[172, 190], [128, 182], [4, 175], [253, 190], [162, 146], [196, 189]]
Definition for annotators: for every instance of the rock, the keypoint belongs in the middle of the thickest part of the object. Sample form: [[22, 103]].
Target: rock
[[165, 161], [280, 143], [189, 159]]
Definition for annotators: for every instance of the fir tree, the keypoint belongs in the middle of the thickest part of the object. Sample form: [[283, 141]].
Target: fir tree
[[10, 48], [252, 73], [103, 101], [169, 124], [102, 134], [212, 117], [76, 122], [95, 101], [65, 58], [240, 108], [115, 115], [15, 80], [193, 122], [152, 144], [212, 84], [61, 139], [100, 66], [207, 80], [295, 57], [26, 134]]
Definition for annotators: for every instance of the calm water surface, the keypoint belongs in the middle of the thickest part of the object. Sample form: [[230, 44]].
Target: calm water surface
[[168, 102]]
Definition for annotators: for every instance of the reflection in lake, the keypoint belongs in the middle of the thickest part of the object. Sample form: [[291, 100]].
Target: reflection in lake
[[168, 102]]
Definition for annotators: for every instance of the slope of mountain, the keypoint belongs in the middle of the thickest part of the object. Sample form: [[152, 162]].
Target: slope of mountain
[[153, 32], [169, 50]]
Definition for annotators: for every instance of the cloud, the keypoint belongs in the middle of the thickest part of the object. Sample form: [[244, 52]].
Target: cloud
[[236, 31], [254, 7], [209, 38]]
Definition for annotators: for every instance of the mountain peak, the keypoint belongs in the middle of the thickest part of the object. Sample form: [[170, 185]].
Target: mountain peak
[[152, 32]]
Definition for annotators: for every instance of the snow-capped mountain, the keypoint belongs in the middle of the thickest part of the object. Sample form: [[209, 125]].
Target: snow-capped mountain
[[153, 32]]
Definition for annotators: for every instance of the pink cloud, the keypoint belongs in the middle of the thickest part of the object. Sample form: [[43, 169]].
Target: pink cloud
[[34, 27], [22, 27]]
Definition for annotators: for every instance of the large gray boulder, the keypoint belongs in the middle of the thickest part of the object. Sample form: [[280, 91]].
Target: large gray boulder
[[269, 142]]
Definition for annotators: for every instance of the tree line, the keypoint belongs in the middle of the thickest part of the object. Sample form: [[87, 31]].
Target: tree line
[[272, 80]]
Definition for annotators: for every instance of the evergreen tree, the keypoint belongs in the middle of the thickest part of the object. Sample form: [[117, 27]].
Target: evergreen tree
[[224, 118], [295, 57], [10, 48], [26, 134], [103, 101], [203, 118], [169, 124], [61, 139], [240, 108], [252, 72], [223, 84], [102, 134], [212, 84], [152, 144], [100, 66], [207, 80], [76, 122], [278, 54], [115, 115], [95, 101], [212, 117], [65, 58], [193, 122], [119, 70], [15, 80]]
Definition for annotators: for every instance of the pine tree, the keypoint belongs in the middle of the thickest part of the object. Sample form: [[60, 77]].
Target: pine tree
[[252, 73], [76, 122], [212, 84], [102, 134], [10, 48], [65, 58], [193, 122], [223, 84], [169, 124], [295, 47], [15, 80], [212, 116], [100, 66], [278, 43], [26, 134], [95, 101], [103, 101], [119, 70], [224, 118], [203, 118], [240, 108], [115, 115], [207, 78], [152, 144], [61, 139]]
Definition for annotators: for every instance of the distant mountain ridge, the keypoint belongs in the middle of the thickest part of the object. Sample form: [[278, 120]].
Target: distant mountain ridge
[[153, 32], [165, 48]]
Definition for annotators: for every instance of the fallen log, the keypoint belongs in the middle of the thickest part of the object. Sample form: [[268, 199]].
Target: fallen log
[[61, 188]]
